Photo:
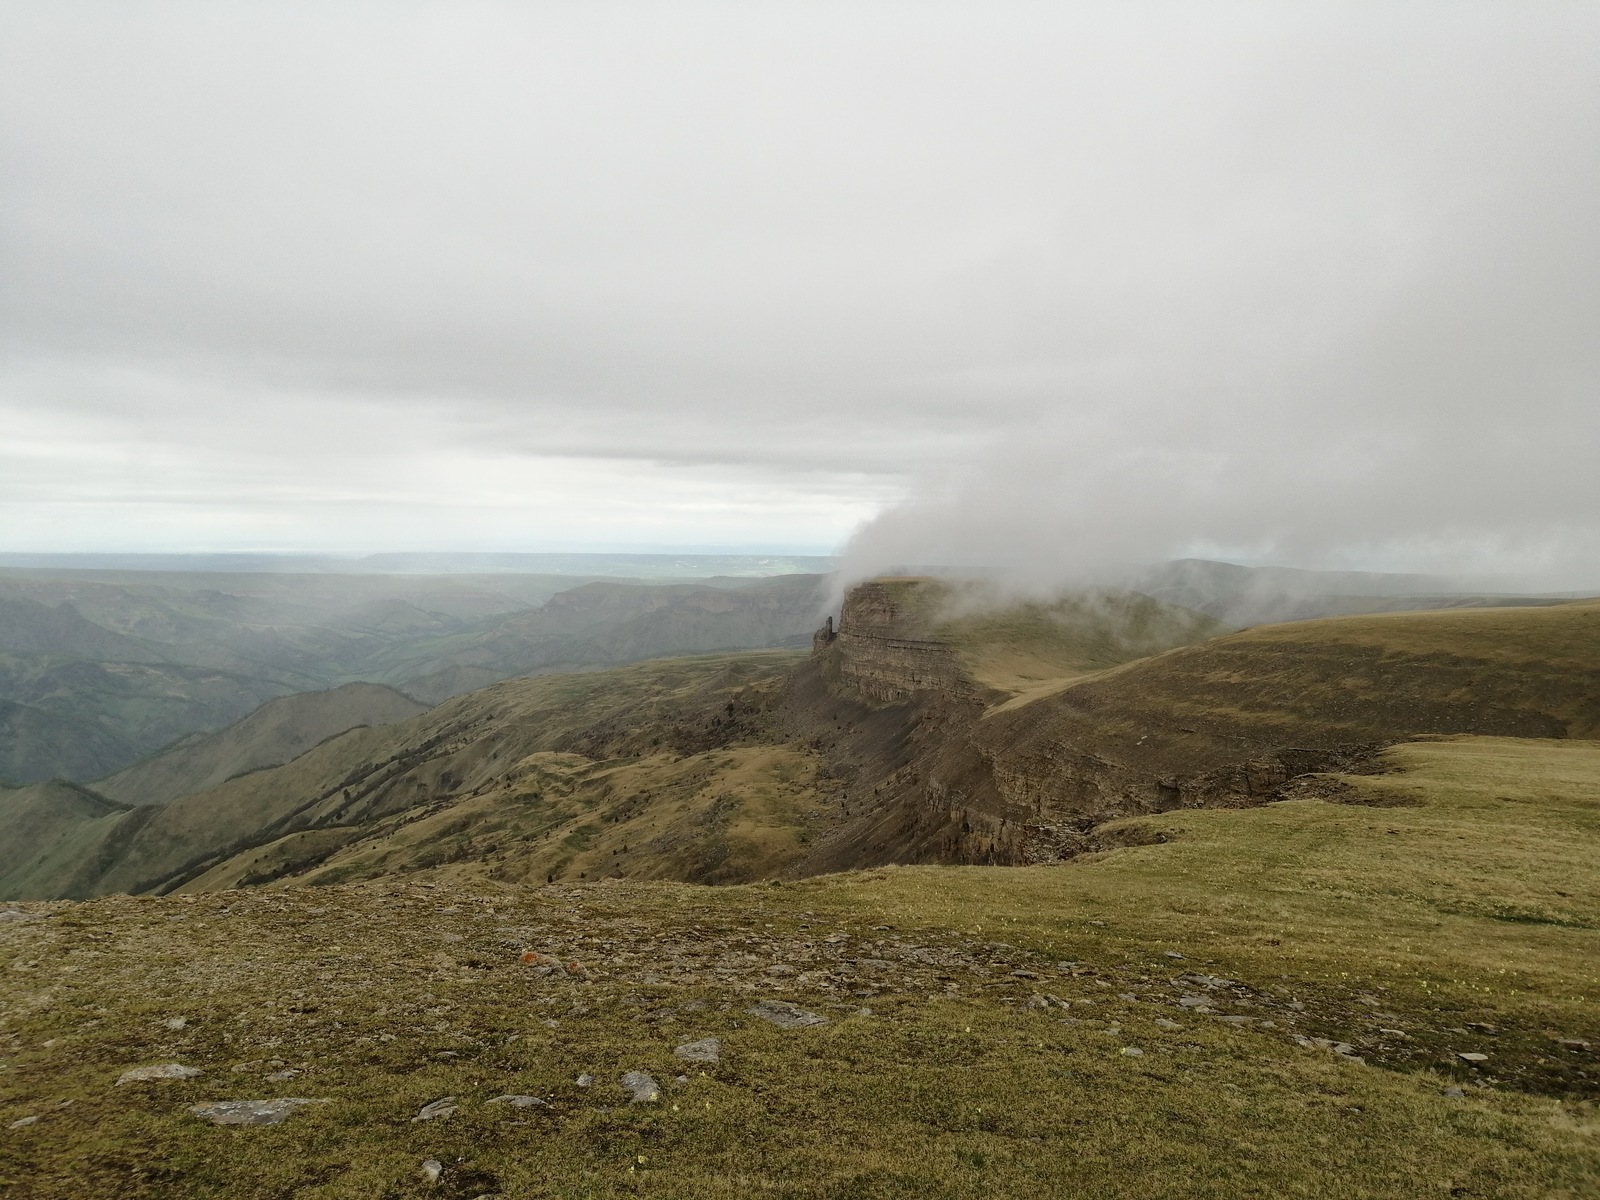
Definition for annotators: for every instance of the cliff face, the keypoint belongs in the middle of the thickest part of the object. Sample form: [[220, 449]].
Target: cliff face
[[882, 649]]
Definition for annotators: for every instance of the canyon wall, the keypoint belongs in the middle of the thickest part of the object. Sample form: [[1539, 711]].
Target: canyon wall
[[882, 648]]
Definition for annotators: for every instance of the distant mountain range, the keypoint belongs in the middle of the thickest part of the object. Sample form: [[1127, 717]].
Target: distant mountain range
[[689, 566], [100, 668]]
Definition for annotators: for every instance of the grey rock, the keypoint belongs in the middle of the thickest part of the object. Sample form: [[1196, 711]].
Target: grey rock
[[1172, 954], [785, 1015], [1470, 1056], [1576, 1045], [1132, 1052], [282, 1076], [1166, 1024], [706, 1050], [518, 1101], [585, 1081], [161, 1071], [250, 1112], [22, 1122], [16, 914], [1194, 1001], [642, 1085], [1454, 1093], [432, 1168], [435, 1109], [176, 1023]]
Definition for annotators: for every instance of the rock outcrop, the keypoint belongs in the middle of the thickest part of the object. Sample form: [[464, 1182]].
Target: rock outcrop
[[882, 648]]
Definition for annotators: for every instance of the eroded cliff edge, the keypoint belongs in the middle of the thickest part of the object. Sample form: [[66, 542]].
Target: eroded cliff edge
[[933, 766]]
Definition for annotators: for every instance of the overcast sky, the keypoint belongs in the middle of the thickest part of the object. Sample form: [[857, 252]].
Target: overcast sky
[[1050, 285]]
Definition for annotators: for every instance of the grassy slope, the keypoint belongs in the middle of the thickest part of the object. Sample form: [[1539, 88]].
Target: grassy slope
[[276, 732], [478, 761], [1481, 907], [1526, 672]]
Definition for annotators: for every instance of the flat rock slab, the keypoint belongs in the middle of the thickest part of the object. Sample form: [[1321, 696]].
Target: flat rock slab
[[441, 1107], [517, 1101], [250, 1112], [160, 1071], [707, 1050], [642, 1085], [785, 1015]]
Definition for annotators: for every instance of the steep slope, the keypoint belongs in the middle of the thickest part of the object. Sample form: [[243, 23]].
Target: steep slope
[[660, 768], [45, 814], [120, 710], [882, 746], [36, 744], [276, 732], [1230, 721]]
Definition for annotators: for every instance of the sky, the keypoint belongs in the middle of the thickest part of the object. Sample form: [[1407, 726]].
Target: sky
[[1040, 288]]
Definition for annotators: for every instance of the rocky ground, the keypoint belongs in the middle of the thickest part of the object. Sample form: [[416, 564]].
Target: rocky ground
[[414, 1039]]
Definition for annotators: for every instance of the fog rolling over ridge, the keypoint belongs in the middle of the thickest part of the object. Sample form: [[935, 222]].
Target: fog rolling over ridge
[[1037, 288]]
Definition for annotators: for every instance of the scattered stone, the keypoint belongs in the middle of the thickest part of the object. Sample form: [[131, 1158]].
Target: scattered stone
[[163, 1071], [435, 1109], [1576, 1045], [1343, 1049], [706, 1050], [1132, 1052], [1239, 1021], [1166, 1024], [1172, 954], [16, 914], [1037, 1002], [22, 1122], [642, 1085], [785, 1015], [577, 971], [250, 1112], [1020, 974], [1469, 1056], [432, 1168], [1194, 1001], [1454, 1093], [781, 969], [1480, 1027], [517, 1101], [585, 1081], [176, 1023], [281, 1076]]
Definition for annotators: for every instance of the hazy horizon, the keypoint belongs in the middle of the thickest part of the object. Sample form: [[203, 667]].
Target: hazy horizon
[[1038, 289]]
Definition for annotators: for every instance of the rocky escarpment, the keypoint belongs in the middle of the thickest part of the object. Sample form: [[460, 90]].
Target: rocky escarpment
[[882, 649], [931, 773]]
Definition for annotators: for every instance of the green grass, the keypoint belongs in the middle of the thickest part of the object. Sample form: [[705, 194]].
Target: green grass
[[388, 995]]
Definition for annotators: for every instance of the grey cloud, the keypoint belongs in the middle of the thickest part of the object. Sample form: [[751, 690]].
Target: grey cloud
[[1043, 286]]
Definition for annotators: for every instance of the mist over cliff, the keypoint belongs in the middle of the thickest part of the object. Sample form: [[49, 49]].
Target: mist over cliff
[[1352, 327]]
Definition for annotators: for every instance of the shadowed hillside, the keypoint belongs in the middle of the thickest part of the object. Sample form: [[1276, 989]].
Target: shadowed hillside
[[275, 733]]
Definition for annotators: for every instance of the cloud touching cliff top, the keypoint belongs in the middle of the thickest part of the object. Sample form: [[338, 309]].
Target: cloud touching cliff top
[[1037, 286]]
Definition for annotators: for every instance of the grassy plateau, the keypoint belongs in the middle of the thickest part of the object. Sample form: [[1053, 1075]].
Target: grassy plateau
[[1266, 1002]]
